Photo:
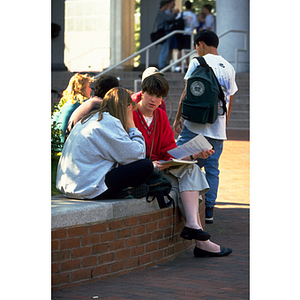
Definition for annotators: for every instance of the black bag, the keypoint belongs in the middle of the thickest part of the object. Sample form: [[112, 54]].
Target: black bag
[[203, 94], [159, 186], [157, 35], [178, 24]]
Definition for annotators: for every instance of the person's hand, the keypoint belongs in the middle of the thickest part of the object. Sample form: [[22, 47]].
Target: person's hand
[[97, 98], [204, 154], [161, 167], [130, 121], [177, 126]]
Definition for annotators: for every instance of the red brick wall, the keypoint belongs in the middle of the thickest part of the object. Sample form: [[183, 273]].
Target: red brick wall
[[83, 254]]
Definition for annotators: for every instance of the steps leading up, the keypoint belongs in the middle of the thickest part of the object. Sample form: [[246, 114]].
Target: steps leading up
[[239, 119]]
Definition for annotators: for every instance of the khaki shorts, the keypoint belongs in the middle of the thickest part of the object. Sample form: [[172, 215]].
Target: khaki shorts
[[187, 178]]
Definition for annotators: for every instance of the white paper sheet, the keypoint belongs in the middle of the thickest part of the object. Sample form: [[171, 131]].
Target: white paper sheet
[[195, 145]]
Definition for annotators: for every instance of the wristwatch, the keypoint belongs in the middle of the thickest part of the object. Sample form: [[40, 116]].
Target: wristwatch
[[191, 156]]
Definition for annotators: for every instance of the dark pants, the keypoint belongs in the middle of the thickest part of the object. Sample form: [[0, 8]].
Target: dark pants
[[124, 176]]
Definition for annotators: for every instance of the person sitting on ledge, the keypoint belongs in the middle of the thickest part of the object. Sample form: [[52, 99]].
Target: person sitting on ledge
[[102, 85], [77, 92], [148, 72], [153, 123], [104, 155]]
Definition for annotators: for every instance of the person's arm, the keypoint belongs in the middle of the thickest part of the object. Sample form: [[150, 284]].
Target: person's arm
[[209, 20], [85, 108], [177, 125], [229, 109], [170, 18]]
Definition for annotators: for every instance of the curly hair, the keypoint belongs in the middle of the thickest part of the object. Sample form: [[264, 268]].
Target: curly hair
[[75, 92]]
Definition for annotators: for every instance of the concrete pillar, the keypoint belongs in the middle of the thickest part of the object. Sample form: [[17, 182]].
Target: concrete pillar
[[122, 31], [58, 43], [233, 15]]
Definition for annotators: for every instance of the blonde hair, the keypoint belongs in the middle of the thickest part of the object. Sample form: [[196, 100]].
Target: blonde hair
[[115, 101], [75, 92]]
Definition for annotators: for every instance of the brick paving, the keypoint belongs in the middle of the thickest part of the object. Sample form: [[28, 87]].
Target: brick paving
[[188, 277]]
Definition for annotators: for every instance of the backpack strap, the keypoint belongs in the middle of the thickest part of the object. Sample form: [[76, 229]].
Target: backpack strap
[[163, 204], [203, 63]]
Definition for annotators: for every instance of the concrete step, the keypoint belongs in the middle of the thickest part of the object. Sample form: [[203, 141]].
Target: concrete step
[[238, 124], [241, 100]]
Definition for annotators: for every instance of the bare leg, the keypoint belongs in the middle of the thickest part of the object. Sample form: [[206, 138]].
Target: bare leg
[[190, 204], [207, 245]]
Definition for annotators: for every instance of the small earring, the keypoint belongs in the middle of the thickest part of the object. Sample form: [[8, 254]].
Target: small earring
[[160, 103]]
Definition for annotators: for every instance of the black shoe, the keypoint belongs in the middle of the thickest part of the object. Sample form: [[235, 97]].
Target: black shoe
[[209, 211], [194, 234], [202, 253]]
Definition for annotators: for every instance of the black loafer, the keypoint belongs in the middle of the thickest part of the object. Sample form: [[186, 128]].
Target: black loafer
[[202, 253], [194, 234]]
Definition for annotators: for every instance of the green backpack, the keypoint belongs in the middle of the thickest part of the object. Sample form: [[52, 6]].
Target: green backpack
[[159, 186], [203, 95]]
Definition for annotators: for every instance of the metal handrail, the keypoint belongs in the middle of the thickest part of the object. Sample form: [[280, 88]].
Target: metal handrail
[[238, 50], [165, 68], [183, 57], [147, 50]]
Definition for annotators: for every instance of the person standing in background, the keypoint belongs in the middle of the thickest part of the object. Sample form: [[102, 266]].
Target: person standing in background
[[209, 23], [190, 23], [163, 21]]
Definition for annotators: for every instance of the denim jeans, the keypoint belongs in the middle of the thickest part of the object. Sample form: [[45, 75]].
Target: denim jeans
[[211, 164], [164, 53]]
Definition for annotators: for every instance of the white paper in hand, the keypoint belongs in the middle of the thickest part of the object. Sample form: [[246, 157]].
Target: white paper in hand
[[195, 145]]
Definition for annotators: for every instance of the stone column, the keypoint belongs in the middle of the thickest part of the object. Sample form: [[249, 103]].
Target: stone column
[[233, 15], [58, 42], [122, 31]]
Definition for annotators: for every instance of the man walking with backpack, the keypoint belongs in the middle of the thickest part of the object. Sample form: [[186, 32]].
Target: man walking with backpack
[[206, 43]]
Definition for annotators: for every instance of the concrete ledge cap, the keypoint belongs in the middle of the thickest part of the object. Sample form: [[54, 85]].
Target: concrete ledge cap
[[66, 212]]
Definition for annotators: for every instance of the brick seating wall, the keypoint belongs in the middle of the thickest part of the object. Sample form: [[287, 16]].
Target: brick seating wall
[[100, 250]]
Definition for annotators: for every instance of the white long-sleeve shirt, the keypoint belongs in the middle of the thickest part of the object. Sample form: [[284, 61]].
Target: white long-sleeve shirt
[[91, 151]]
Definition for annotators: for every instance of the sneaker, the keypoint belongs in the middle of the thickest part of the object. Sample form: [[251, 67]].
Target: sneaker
[[177, 69], [209, 215]]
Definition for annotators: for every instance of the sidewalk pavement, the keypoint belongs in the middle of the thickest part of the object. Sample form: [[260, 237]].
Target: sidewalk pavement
[[188, 277]]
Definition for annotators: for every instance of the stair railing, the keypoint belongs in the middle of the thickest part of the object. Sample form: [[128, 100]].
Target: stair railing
[[238, 50], [146, 49]]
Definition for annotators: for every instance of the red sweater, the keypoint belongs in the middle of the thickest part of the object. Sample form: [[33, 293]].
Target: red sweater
[[163, 138]]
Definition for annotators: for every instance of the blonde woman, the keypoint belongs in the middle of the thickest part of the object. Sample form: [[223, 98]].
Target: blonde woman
[[74, 95], [105, 153]]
